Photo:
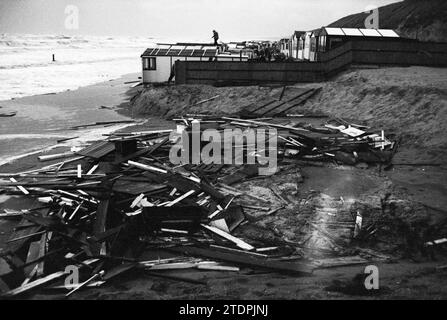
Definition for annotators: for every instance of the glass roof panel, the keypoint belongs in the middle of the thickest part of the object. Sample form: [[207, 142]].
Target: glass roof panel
[[388, 33], [335, 31], [370, 33], [352, 32]]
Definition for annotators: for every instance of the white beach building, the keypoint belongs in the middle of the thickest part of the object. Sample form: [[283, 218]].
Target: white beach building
[[284, 46], [158, 61], [294, 44], [306, 49], [326, 38]]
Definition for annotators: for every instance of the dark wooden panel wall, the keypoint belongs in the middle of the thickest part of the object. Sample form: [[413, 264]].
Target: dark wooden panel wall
[[396, 53]]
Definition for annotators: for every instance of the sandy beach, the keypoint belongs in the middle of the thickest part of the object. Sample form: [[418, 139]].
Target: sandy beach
[[420, 189], [42, 120]]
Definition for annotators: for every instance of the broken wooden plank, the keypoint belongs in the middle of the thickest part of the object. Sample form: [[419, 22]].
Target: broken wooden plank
[[26, 237], [35, 284], [93, 169], [240, 243], [55, 156], [249, 260], [340, 262], [146, 167], [31, 275], [42, 281], [85, 283], [280, 103], [102, 123], [172, 266], [251, 111], [21, 188], [186, 195], [42, 252], [212, 266], [293, 103], [99, 226]]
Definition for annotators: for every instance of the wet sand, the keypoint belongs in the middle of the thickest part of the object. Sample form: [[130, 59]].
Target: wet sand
[[43, 119]]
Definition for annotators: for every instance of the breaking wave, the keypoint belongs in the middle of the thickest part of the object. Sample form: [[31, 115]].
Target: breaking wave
[[27, 66]]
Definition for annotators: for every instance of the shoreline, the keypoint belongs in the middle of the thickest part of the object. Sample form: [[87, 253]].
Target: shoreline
[[125, 76], [103, 101], [28, 160]]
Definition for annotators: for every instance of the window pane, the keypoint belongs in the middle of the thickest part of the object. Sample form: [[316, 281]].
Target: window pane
[[152, 64]]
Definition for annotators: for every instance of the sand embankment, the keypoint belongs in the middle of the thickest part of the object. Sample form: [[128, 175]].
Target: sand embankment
[[410, 102], [170, 101]]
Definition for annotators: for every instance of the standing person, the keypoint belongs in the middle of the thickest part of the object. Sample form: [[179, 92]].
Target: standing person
[[268, 54], [172, 75], [215, 37]]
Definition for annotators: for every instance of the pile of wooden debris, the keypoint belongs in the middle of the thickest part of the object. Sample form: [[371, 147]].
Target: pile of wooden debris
[[101, 210]]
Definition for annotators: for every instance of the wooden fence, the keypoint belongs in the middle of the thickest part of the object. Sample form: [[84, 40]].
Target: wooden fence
[[382, 53]]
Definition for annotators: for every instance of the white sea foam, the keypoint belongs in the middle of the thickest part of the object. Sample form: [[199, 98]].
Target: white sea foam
[[26, 66]]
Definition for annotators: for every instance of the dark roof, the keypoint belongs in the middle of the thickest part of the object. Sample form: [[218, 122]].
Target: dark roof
[[181, 50], [195, 44], [210, 53], [317, 32], [299, 33], [98, 150]]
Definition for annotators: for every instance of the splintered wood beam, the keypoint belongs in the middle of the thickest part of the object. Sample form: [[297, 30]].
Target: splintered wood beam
[[215, 267], [85, 283], [266, 124], [145, 167], [55, 156], [35, 284], [186, 195], [31, 275], [21, 188], [26, 236], [241, 244], [101, 217], [100, 223], [43, 246], [33, 254], [246, 259], [44, 169], [93, 169], [42, 281]]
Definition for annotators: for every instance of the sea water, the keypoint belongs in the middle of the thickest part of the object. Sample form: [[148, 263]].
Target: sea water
[[27, 67]]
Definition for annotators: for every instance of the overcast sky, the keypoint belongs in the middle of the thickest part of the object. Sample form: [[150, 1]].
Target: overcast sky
[[180, 19]]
